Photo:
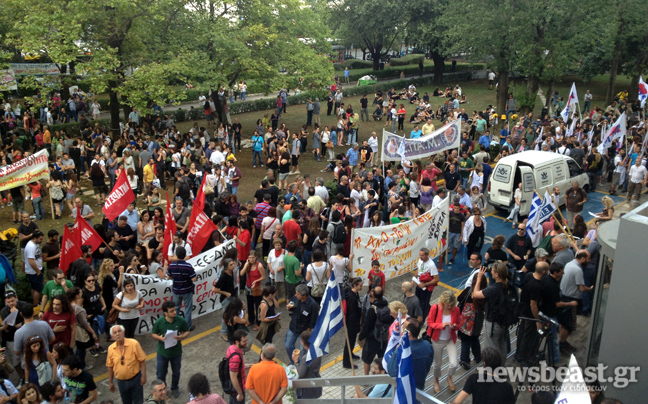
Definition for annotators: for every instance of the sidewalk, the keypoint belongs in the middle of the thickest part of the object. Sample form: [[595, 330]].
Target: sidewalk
[[250, 97]]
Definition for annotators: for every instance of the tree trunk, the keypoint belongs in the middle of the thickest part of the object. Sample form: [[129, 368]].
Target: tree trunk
[[533, 83], [376, 58], [114, 108], [614, 69], [439, 66], [126, 108], [421, 67], [634, 90], [502, 91], [550, 90]]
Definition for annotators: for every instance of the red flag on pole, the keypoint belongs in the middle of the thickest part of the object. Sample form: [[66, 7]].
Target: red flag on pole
[[169, 229], [119, 198], [70, 249], [85, 234], [200, 226]]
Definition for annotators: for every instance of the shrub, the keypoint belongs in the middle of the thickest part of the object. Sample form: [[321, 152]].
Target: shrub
[[407, 60], [74, 129], [180, 115], [357, 64]]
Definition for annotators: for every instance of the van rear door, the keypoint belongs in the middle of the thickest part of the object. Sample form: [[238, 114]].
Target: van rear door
[[528, 185], [501, 185]]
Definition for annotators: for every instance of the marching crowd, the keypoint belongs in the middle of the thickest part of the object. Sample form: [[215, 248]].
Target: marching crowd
[[289, 238]]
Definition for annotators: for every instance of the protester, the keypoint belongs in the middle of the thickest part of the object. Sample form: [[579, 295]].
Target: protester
[[126, 363]]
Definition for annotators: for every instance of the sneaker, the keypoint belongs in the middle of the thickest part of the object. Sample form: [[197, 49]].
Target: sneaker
[[102, 350], [297, 172], [193, 327], [451, 262], [94, 353], [261, 164], [10, 204], [465, 365], [254, 166], [354, 356]]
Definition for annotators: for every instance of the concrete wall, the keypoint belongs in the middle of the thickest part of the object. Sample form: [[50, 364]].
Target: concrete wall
[[623, 341]]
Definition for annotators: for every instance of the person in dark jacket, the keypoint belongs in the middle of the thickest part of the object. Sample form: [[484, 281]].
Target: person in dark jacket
[[422, 354], [307, 370], [353, 319], [372, 347], [80, 269]]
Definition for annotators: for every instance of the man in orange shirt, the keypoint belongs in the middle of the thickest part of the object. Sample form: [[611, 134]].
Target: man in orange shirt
[[47, 139], [267, 382]]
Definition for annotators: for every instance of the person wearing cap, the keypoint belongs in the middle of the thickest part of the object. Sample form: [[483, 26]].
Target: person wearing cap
[[540, 255], [33, 259]]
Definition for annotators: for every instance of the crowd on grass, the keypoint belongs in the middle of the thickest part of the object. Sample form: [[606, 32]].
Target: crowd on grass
[[290, 236]]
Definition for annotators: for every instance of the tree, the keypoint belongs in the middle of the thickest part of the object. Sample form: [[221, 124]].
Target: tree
[[378, 23], [136, 50], [427, 30]]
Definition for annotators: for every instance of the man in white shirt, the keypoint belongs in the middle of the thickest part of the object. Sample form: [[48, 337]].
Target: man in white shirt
[[178, 242], [217, 157], [618, 176], [637, 179], [373, 143], [441, 194], [33, 260], [428, 277], [491, 80], [320, 190]]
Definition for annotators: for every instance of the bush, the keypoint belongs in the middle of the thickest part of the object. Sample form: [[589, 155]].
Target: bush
[[180, 115], [74, 129], [261, 105], [407, 60], [357, 64]]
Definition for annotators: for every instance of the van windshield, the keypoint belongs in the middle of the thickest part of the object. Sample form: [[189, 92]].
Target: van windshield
[[502, 173]]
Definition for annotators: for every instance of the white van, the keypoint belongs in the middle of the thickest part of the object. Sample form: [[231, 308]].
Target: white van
[[535, 170]]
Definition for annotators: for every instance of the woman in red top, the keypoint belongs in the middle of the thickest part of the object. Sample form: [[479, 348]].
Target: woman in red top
[[37, 199], [253, 286], [61, 318], [401, 116], [443, 321]]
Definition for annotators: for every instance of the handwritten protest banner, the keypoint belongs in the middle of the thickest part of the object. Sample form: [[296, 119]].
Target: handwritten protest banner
[[445, 138], [396, 246], [156, 291], [31, 168]]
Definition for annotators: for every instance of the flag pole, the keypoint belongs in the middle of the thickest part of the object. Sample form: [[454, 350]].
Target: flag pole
[[568, 230]]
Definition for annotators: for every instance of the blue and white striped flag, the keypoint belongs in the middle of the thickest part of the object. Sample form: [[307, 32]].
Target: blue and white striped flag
[[541, 210], [394, 340], [405, 385], [401, 149], [329, 321]]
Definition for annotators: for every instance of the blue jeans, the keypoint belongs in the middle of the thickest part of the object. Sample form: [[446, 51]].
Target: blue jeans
[[256, 154], [352, 136], [244, 95], [289, 343], [553, 336], [589, 275], [81, 354], [231, 100], [234, 190], [131, 391], [225, 303], [592, 176], [37, 203], [187, 299], [334, 137], [394, 120], [515, 212], [163, 368], [307, 258], [229, 188]]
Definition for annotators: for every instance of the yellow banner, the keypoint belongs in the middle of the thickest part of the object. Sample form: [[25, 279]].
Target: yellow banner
[[29, 169]]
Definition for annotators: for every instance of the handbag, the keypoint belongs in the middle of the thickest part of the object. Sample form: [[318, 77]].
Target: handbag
[[320, 287], [81, 334], [44, 370], [208, 189], [113, 315], [467, 319], [329, 145]]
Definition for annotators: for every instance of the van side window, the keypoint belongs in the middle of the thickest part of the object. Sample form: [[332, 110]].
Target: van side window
[[574, 169], [559, 172]]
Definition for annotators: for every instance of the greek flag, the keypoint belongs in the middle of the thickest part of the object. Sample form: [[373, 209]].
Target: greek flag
[[401, 149], [392, 345], [541, 210], [571, 100], [405, 385], [329, 321], [574, 389]]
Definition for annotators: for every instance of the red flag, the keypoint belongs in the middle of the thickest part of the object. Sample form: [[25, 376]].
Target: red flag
[[70, 250], [119, 198], [169, 229], [200, 226], [84, 234]]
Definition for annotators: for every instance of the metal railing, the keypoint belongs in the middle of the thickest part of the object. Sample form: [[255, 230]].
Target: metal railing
[[351, 381]]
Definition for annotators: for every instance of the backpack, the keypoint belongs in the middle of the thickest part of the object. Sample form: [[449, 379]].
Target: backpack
[[339, 234], [383, 321], [224, 374], [505, 308], [185, 190], [319, 287]]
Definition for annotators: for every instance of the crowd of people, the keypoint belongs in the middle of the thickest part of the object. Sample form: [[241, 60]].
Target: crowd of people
[[289, 238]]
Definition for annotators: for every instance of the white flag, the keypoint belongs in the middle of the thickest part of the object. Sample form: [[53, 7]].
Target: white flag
[[571, 101], [643, 92], [574, 390]]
